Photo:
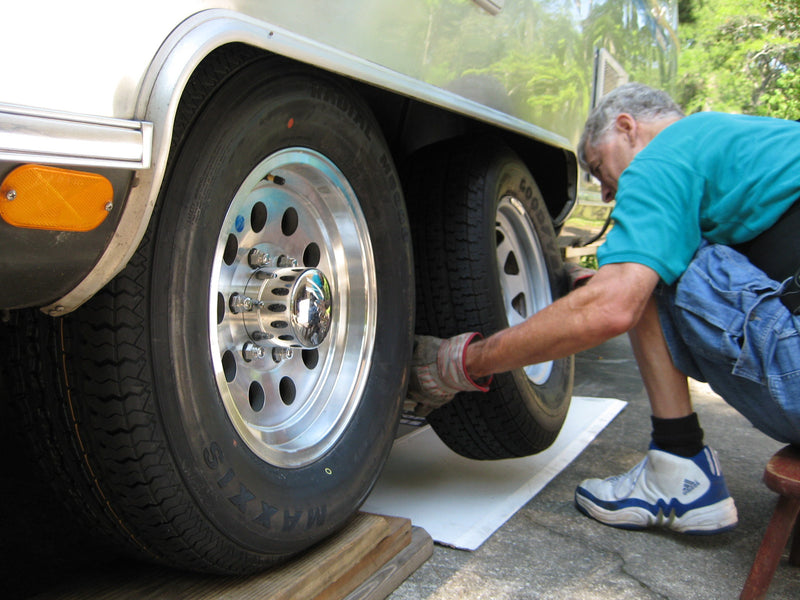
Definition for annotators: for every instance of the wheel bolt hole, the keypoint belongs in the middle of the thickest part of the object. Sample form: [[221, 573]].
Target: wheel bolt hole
[[257, 396], [311, 255], [511, 267], [231, 249], [289, 222], [229, 366], [287, 390], [258, 217], [310, 358], [519, 305], [220, 308]]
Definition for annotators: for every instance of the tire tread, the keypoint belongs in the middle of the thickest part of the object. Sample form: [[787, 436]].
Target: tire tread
[[446, 187]]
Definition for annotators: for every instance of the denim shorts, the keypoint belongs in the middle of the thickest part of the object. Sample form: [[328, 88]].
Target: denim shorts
[[725, 325]]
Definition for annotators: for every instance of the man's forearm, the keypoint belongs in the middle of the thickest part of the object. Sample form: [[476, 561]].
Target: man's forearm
[[609, 305]]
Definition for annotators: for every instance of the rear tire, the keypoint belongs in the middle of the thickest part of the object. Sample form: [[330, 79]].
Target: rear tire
[[486, 258]]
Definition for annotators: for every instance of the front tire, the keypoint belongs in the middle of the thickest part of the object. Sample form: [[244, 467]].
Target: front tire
[[234, 393]]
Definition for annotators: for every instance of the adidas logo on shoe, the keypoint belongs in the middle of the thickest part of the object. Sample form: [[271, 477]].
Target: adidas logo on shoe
[[689, 485]]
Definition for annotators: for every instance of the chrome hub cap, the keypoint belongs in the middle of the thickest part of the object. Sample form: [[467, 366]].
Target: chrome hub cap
[[287, 308]]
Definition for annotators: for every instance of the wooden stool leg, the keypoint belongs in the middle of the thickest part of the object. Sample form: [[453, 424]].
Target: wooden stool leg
[[771, 549], [794, 553]]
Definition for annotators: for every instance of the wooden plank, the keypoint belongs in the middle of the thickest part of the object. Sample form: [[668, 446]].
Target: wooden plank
[[398, 538], [389, 577], [333, 569], [312, 572]]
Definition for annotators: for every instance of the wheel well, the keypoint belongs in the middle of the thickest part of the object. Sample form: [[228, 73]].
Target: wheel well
[[406, 123]]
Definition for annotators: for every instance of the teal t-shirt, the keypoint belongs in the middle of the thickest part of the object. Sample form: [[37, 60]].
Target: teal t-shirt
[[723, 178]]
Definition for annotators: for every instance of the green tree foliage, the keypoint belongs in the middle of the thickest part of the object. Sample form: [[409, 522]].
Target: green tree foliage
[[540, 53], [535, 59], [537, 55], [740, 56]]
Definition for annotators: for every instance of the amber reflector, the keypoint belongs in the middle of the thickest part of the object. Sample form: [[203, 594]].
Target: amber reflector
[[39, 197]]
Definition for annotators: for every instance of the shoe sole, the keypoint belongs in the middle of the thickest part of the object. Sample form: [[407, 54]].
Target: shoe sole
[[707, 520]]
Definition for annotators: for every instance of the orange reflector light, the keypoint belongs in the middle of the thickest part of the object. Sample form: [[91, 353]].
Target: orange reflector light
[[39, 197]]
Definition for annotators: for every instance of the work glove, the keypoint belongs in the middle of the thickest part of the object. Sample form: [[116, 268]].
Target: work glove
[[578, 275], [438, 371]]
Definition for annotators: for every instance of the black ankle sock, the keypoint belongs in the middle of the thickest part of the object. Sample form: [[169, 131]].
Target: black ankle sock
[[682, 436]]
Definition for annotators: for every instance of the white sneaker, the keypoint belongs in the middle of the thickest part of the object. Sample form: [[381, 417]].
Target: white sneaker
[[664, 490]]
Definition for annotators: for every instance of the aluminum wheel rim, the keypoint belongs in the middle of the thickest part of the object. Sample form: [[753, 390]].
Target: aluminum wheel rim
[[524, 280], [291, 404]]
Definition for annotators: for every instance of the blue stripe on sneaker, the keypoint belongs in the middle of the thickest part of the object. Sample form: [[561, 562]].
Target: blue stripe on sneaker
[[718, 491]]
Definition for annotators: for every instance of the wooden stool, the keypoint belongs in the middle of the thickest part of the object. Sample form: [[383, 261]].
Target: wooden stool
[[782, 475]]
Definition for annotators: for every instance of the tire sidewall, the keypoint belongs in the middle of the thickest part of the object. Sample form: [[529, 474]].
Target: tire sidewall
[[258, 505], [506, 176]]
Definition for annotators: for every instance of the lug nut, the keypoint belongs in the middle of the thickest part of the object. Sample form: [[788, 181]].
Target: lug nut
[[240, 304], [285, 261], [279, 354], [257, 259], [252, 351]]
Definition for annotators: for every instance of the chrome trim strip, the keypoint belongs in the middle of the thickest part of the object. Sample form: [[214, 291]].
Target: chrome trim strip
[[29, 134], [188, 44], [216, 27]]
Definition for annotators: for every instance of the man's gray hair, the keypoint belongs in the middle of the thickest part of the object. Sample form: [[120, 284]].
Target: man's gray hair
[[642, 102]]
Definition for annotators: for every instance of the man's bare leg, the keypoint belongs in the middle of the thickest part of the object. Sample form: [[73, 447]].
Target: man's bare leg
[[679, 484], [666, 386]]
